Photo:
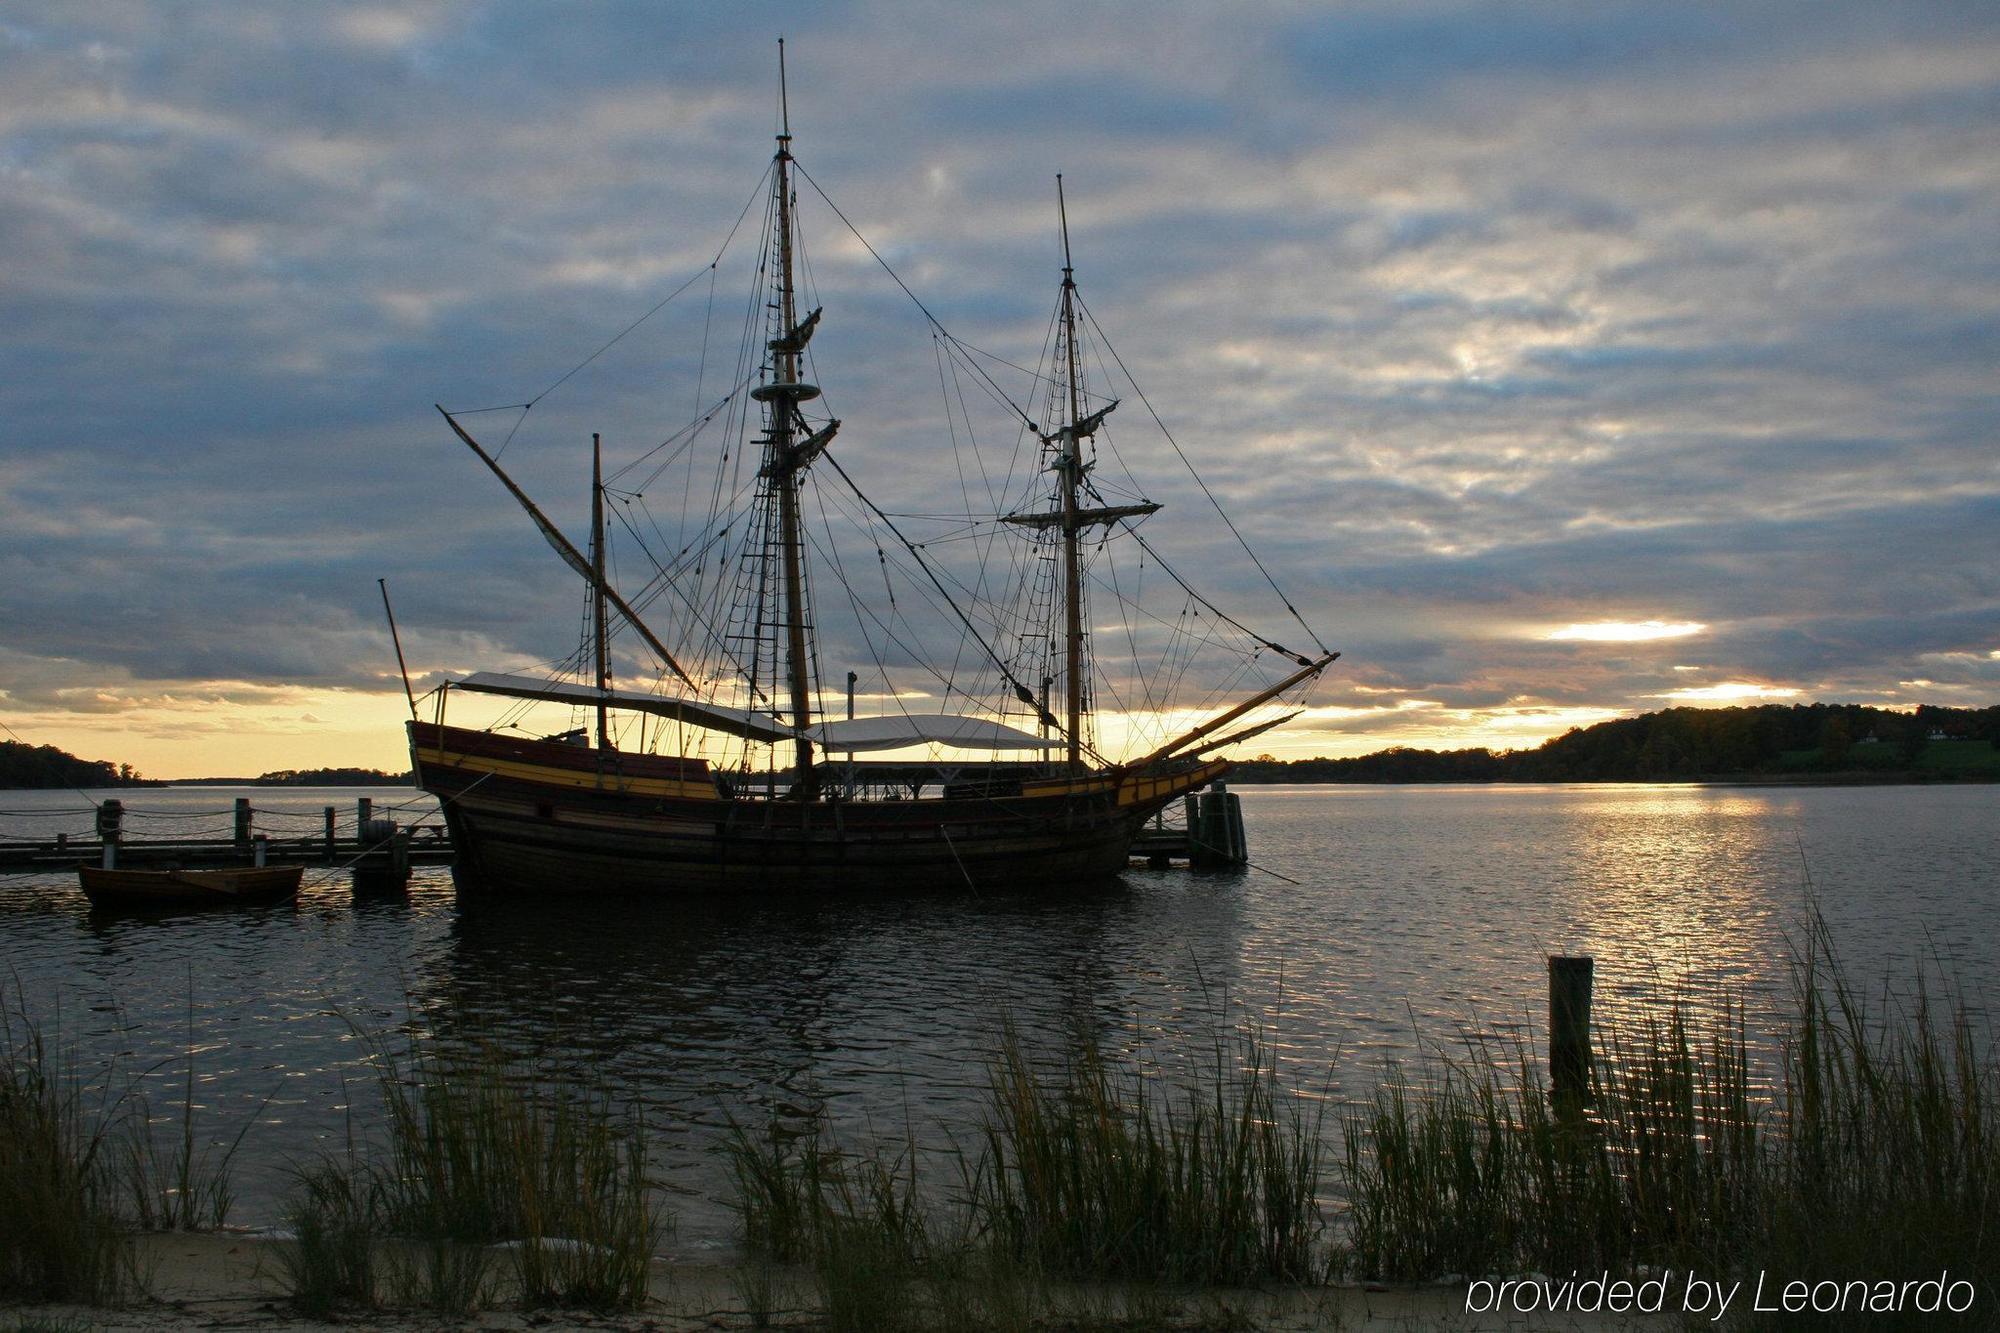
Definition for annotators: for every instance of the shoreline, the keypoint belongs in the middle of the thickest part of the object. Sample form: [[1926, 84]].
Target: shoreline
[[231, 1279], [1856, 778], [1850, 778]]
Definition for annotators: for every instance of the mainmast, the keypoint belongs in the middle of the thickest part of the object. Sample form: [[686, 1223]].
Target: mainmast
[[1069, 471], [785, 455], [1071, 514]]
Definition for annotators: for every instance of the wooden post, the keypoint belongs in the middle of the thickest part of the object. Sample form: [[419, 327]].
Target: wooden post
[[1570, 980], [242, 821], [110, 827], [1215, 829], [364, 810], [384, 866], [331, 854], [262, 842]]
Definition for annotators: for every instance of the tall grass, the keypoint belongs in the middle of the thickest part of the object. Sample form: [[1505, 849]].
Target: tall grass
[[80, 1167], [483, 1161], [330, 1262], [854, 1218], [60, 1234], [1094, 1173], [1079, 1172], [1874, 1155]]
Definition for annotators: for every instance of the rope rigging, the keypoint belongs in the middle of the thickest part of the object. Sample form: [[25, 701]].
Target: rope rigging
[[718, 562]]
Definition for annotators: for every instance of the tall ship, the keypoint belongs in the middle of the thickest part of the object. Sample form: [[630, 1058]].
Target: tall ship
[[702, 746]]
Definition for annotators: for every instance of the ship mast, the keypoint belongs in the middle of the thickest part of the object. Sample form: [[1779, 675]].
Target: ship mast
[[784, 459], [1070, 514], [1069, 471]]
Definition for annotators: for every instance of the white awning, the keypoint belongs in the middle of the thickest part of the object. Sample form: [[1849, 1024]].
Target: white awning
[[744, 722], [862, 734], [901, 729]]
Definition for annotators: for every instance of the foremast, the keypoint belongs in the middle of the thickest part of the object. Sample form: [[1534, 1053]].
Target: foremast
[[789, 446]]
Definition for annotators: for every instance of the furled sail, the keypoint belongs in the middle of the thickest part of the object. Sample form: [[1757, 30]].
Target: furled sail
[[744, 722]]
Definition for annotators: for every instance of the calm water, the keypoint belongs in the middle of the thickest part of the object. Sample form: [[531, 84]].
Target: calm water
[[1421, 914]]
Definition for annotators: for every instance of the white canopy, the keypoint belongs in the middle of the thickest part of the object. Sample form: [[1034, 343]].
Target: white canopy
[[860, 734], [901, 729]]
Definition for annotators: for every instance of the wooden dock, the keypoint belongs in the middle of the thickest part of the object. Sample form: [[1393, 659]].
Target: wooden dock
[[378, 852], [381, 852]]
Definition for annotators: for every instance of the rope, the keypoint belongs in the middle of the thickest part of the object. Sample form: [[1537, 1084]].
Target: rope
[[1185, 462]]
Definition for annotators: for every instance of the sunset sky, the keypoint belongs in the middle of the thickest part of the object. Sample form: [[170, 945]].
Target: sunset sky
[[1566, 361]]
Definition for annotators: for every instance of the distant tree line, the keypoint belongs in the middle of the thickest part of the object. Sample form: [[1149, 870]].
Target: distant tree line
[[23, 765], [1686, 744], [45, 766], [335, 777]]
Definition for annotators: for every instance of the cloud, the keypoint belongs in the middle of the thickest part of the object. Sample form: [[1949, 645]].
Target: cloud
[[1480, 328], [1625, 631]]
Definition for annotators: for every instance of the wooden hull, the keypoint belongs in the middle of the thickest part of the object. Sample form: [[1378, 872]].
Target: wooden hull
[[189, 888], [536, 817]]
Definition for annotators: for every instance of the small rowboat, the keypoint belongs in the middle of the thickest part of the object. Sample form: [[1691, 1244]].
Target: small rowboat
[[165, 888]]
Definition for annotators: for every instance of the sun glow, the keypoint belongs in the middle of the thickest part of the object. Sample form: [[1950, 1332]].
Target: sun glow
[[1728, 690], [1628, 631]]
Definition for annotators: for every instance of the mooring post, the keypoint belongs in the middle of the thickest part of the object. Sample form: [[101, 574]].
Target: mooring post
[[332, 854], [1570, 978], [364, 811], [1215, 829], [384, 866], [242, 821], [262, 842], [110, 826]]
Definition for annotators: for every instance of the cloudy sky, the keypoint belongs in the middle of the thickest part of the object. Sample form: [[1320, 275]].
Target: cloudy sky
[[1565, 360]]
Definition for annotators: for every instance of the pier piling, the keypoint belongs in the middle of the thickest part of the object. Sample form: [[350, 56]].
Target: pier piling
[[242, 835], [384, 864], [110, 827], [1570, 979], [331, 856], [1215, 829]]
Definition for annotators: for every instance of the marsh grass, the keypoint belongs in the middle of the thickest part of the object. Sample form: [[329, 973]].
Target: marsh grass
[[852, 1218], [81, 1167], [1873, 1154], [60, 1233], [330, 1262], [1093, 1173], [1078, 1173], [484, 1165]]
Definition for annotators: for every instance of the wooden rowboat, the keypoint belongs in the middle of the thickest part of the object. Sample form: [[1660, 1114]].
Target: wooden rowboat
[[164, 888]]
